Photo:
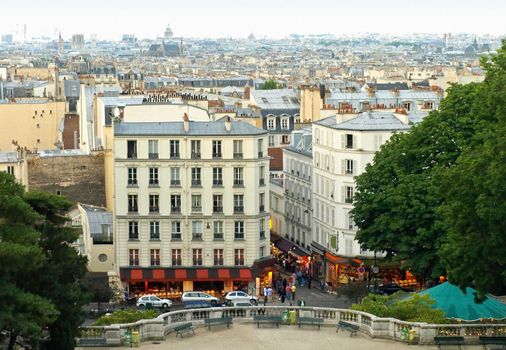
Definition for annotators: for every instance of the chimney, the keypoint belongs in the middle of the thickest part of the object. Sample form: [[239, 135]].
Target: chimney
[[186, 123], [247, 92], [395, 92], [372, 91], [402, 115], [228, 125]]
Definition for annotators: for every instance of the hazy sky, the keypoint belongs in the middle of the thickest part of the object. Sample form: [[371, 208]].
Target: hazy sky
[[274, 18]]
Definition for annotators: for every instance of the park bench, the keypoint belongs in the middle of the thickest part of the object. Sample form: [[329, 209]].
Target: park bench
[[493, 340], [219, 320], [310, 320], [451, 340], [183, 329], [91, 342], [352, 328], [267, 319]]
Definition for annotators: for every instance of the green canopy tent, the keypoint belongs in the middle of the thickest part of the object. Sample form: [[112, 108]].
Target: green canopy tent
[[458, 305]]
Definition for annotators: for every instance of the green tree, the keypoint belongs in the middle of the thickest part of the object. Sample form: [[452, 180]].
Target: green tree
[[97, 287], [396, 197], [269, 85], [59, 276], [474, 209], [354, 290], [23, 313]]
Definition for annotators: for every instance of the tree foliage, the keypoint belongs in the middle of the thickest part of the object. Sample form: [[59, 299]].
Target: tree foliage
[[39, 269], [270, 85], [354, 290], [125, 316], [435, 198]]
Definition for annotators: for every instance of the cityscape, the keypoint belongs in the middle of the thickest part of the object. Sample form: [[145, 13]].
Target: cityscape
[[178, 181]]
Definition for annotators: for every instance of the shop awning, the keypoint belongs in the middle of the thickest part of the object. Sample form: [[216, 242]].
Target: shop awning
[[185, 274], [299, 252], [263, 265], [341, 260], [284, 245]]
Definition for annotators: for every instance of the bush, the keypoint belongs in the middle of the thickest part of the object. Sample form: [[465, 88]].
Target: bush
[[414, 308], [125, 316], [355, 291]]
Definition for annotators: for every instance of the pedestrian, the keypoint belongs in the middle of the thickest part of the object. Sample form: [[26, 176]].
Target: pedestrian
[[269, 293], [288, 291], [265, 291], [283, 296], [309, 279], [293, 289], [285, 282]]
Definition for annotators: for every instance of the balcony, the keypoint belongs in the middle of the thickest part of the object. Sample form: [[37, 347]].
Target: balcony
[[132, 155], [153, 182], [176, 236], [218, 182], [197, 182], [262, 208], [197, 236], [133, 209], [153, 155], [217, 155], [217, 209], [238, 183], [175, 182], [132, 183], [196, 209], [238, 155], [174, 156], [260, 154], [175, 210], [261, 182], [218, 237], [195, 155], [102, 239], [239, 210], [348, 200], [154, 209]]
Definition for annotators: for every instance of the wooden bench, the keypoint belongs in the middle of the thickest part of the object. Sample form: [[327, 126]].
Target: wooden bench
[[352, 328], [219, 320], [183, 329], [84, 342], [493, 340], [310, 320], [267, 319], [451, 340]]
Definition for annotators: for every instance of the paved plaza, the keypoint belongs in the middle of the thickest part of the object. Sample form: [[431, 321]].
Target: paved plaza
[[247, 336]]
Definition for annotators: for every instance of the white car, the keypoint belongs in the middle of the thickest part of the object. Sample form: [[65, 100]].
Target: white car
[[199, 296], [154, 300], [241, 296]]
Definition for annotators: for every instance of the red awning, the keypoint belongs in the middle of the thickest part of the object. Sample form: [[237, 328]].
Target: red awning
[[335, 259], [188, 274]]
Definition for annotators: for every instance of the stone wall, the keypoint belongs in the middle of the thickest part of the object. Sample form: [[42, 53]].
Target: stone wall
[[80, 178]]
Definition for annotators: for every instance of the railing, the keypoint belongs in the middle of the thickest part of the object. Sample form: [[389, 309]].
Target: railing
[[375, 327]]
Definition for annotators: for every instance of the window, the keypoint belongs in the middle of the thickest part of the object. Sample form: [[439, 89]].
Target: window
[[261, 201], [131, 149], [351, 223], [349, 141], [155, 257], [217, 176], [262, 228], [239, 257], [261, 176], [174, 149], [272, 141], [238, 203], [238, 149], [218, 257], [175, 179], [133, 230], [153, 176], [262, 252], [10, 170], [153, 203], [216, 149], [348, 194], [218, 230], [195, 149], [176, 230], [271, 123], [196, 203], [153, 149], [133, 255], [175, 203], [176, 257], [196, 178], [260, 148], [349, 166], [197, 230], [239, 229], [217, 203], [132, 203], [132, 176], [285, 123], [285, 139], [238, 177], [154, 230], [197, 257]]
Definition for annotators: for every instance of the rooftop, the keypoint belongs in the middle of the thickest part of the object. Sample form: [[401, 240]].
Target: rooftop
[[276, 99], [373, 121], [8, 157]]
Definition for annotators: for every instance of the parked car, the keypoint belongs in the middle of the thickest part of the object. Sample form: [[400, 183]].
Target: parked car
[[388, 289], [199, 296], [155, 301], [241, 296]]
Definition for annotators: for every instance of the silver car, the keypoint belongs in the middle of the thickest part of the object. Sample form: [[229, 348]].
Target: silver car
[[199, 296], [154, 301], [241, 296]]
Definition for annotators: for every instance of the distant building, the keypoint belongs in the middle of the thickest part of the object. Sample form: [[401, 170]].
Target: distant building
[[14, 163], [77, 41], [7, 38]]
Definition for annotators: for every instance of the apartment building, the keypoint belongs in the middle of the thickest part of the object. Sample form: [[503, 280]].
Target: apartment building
[[191, 204], [342, 147]]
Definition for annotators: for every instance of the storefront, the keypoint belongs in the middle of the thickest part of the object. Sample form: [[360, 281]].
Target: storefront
[[263, 270], [292, 257], [172, 282], [318, 261], [342, 270]]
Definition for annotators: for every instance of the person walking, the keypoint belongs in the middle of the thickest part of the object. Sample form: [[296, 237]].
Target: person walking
[[288, 291], [269, 294], [292, 290]]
